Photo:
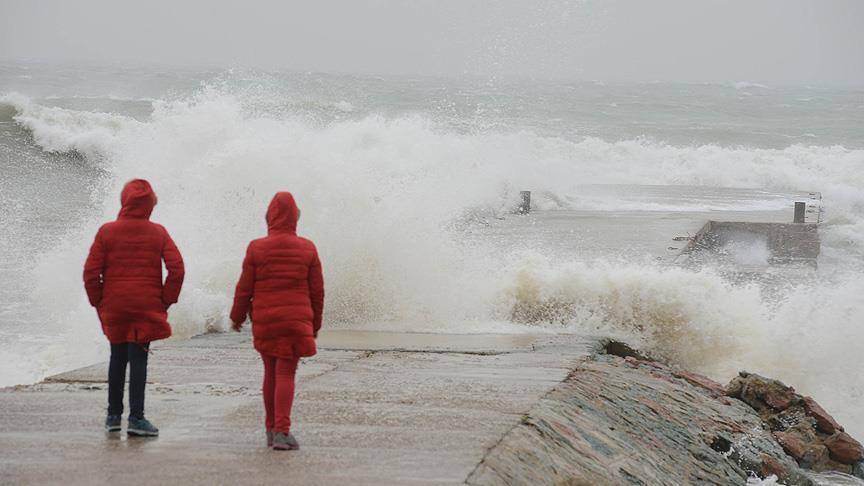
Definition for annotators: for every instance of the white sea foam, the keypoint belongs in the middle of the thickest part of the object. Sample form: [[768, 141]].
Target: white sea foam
[[748, 84], [380, 197], [344, 106], [771, 480], [62, 130]]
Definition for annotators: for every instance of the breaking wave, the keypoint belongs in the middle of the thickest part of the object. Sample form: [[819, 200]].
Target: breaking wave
[[385, 199]]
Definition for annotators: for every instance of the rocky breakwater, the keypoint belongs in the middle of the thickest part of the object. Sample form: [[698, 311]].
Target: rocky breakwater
[[803, 428], [621, 418]]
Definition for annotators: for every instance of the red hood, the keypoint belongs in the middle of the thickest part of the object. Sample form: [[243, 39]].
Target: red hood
[[137, 200], [282, 213]]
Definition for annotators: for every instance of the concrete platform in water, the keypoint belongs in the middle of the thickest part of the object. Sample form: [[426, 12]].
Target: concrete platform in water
[[667, 223]]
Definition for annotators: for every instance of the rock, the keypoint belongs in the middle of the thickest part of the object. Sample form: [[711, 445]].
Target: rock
[[844, 449], [696, 379], [620, 418], [804, 430], [618, 422], [759, 392], [792, 418], [624, 350], [858, 470], [817, 458], [639, 362], [792, 444], [771, 466], [824, 422], [736, 386], [779, 399]]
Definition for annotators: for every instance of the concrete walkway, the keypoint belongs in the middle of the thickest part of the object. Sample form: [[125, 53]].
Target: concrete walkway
[[372, 408]]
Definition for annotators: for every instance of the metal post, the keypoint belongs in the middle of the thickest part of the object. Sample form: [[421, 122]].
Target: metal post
[[800, 209], [525, 202]]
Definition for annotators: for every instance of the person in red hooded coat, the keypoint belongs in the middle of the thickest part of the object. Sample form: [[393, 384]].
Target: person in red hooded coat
[[123, 280], [281, 289]]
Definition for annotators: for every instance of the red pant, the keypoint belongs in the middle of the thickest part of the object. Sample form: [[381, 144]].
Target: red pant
[[278, 391]]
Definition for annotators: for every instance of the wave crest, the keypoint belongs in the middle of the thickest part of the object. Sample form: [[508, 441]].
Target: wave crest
[[381, 197], [60, 130]]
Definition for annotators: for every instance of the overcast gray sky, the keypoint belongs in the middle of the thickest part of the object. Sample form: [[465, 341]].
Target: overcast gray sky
[[770, 41]]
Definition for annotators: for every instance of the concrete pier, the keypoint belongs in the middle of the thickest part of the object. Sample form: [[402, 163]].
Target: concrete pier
[[668, 223], [372, 408], [524, 202], [781, 243], [397, 408]]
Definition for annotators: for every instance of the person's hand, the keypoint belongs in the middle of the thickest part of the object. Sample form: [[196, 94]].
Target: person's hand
[[236, 326]]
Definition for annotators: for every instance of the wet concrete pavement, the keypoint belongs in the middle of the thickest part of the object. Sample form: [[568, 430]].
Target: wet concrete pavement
[[371, 408]]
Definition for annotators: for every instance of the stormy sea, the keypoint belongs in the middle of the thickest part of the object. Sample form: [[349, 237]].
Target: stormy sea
[[407, 186]]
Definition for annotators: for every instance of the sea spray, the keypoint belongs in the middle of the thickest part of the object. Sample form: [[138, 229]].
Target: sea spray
[[383, 197]]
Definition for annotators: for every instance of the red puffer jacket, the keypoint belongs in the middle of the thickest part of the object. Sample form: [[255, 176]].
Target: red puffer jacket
[[281, 287], [123, 272]]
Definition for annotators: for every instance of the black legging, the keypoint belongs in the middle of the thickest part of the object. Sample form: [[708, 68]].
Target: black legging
[[136, 356]]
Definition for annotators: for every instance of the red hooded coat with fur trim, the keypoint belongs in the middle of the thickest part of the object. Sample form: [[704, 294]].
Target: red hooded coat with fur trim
[[123, 272], [281, 287]]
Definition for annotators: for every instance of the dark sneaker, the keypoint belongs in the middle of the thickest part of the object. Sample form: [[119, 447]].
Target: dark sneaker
[[270, 438], [285, 442], [141, 427], [112, 423]]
